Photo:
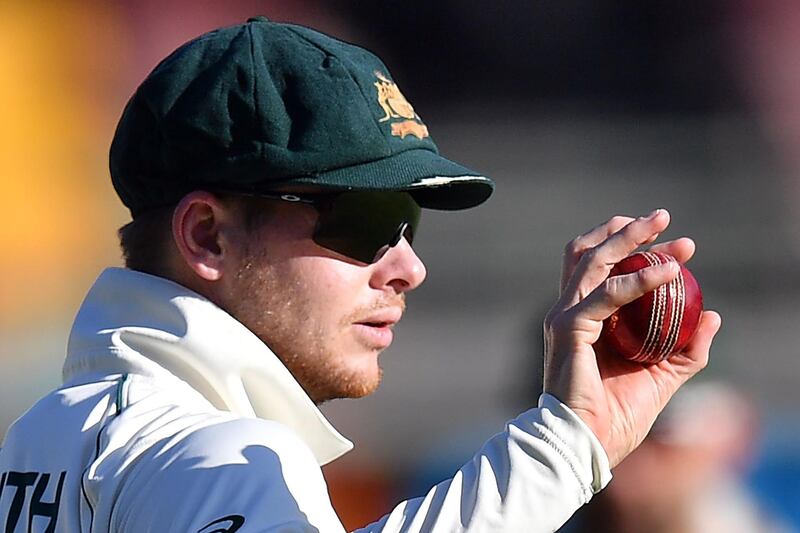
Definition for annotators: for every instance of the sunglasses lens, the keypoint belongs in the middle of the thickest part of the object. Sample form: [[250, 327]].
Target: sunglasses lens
[[360, 224]]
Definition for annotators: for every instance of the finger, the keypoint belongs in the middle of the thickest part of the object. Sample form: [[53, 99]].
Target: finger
[[694, 357], [578, 246], [617, 291], [681, 249], [595, 264]]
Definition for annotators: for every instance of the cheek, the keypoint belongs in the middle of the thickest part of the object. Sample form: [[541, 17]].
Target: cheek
[[330, 290]]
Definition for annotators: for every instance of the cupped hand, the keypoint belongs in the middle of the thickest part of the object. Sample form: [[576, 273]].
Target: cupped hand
[[618, 399]]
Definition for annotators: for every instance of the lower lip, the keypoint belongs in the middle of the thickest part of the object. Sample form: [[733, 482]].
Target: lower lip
[[375, 336]]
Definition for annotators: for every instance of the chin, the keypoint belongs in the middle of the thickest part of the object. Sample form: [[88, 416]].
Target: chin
[[363, 380], [361, 390], [349, 383]]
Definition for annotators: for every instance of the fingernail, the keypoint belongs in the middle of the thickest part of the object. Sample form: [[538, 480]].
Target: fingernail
[[654, 214]]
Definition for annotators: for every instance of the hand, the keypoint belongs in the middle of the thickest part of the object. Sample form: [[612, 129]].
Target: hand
[[618, 399]]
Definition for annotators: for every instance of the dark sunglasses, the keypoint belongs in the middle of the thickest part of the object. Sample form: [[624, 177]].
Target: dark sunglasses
[[361, 225]]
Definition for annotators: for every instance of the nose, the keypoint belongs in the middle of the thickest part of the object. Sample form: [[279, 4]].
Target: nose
[[399, 269]]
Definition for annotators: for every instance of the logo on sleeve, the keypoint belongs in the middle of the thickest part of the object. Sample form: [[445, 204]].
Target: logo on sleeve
[[227, 524]]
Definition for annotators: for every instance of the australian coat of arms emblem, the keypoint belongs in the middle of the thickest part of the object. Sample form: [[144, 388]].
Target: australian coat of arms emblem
[[395, 106]]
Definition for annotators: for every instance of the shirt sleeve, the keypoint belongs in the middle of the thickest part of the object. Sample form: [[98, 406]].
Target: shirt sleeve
[[530, 478]]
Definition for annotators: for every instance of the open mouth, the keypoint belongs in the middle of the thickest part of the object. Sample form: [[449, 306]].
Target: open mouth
[[375, 333], [386, 317], [377, 323]]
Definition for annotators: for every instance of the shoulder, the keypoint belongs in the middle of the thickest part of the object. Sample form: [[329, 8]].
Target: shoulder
[[221, 448], [230, 466], [163, 422], [225, 439]]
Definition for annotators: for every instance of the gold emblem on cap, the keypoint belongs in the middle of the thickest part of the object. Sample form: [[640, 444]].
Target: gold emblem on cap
[[394, 106], [401, 129]]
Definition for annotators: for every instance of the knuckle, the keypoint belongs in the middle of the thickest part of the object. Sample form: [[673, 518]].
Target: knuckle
[[560, 322], [590, 256], [630, 229], [574, 247], [643, 276], [608, 289], [619, 220], [613, 290]]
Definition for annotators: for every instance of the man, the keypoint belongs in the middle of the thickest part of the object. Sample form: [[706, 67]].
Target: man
[[275, 177]]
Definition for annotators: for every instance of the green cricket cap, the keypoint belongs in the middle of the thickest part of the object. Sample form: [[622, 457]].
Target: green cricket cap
[[266, 105]]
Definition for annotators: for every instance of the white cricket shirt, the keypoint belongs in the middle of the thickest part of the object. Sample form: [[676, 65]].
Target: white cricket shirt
[[174, 417]]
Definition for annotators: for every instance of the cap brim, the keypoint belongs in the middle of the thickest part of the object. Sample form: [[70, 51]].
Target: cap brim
[[434, 181]]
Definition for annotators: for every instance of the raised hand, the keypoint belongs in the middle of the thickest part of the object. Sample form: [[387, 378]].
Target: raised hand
[[618, 399]]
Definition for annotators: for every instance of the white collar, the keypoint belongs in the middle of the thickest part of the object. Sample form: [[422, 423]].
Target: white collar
[[137, 323]]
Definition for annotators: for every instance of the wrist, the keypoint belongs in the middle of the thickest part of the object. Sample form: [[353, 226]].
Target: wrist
[[584, 443]]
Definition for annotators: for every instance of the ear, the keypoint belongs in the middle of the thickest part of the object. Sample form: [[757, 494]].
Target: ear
[[199, 224]]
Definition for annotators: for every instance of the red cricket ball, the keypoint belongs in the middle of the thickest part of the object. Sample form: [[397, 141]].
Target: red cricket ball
[[659, 323]]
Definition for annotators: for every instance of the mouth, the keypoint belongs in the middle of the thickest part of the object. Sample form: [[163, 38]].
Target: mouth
[[377, 323], [375, 330]]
